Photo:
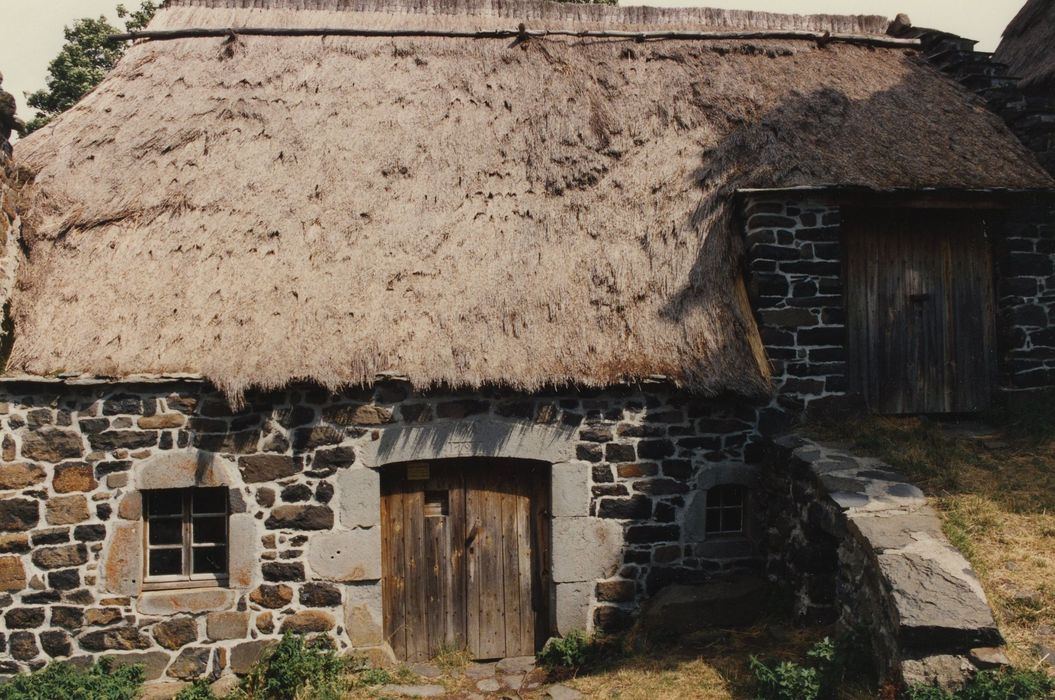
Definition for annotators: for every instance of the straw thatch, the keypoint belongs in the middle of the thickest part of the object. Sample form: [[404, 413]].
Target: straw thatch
[[1028, 46], [455, 210]]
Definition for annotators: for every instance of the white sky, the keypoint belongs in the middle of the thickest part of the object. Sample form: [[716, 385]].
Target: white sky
[[31, 30]]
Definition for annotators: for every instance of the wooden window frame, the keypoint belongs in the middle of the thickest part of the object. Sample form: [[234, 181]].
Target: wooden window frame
[[187, 579], [743, 506]]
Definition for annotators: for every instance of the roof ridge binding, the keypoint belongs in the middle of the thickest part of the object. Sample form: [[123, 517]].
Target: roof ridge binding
[[525, 10]]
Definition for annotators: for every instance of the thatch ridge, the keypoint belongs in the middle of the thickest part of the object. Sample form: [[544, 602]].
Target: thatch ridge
[[1028, 45], [459, 212], [571, 14]]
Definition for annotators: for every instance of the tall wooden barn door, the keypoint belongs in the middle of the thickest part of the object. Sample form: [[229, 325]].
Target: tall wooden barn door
[[920, 310], [464, 546]]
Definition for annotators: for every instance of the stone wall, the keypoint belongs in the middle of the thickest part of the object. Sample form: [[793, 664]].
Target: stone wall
[[854, 543], [630, 469], [795, 263]]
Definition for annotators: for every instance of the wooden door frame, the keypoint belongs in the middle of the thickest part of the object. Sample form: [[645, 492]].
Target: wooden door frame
[[542, 588]]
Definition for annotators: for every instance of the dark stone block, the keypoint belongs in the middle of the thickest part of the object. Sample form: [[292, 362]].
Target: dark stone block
[[599, 490], [24, 618], [319, 436], [615, 452], [115, 638], [65, 580], [639, 431], [660, 487], [319, 595], [822, 336], [633, 508], [810, 267], [23, 646], [275, 571], [596, 434], [416, 412], [296, 493], [56, 535], [324, 492], [123, 404], [602, 474], [773, 252], [67, 617], [616, 591], [649, 534], [19, 514], [1031, 264], [55, 643], [300, 517], [759, 221], [110, 440], [334, 457], [654, 449], [295, 416], [268, 467], [1029, 315], [112, 467], [611, 619], [93, 425]]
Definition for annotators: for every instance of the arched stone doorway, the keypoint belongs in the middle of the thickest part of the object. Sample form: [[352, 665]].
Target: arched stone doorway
[[465, 556]]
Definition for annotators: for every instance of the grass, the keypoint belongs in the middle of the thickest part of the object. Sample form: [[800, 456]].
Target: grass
[[708, 665], [993, 482]]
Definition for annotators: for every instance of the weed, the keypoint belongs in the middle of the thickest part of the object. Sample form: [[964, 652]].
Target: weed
[[296, 669], [61, 681], [1007, 684], [198, 690], [451, 658], [373, 676], [569, 652], [785, 681]]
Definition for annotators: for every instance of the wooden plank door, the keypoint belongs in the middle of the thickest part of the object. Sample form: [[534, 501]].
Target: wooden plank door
[[462, 557], [920, 310]]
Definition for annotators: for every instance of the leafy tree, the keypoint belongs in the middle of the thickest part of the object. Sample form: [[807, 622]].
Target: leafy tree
[[84, 60]]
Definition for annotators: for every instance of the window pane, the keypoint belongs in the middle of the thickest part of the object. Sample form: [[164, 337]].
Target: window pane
[[209, 501], [210, 560], [732, 495], [166, 531], [732, 520], [210, 530], [165, 562], [714, 520], [164, 502]]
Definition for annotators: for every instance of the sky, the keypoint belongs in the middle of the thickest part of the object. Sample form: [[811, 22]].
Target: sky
[[31, 30]]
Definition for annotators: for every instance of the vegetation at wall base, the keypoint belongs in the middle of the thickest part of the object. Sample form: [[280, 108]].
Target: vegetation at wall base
[[1006, 684], [62, 681], [828, 665], [295, 669]]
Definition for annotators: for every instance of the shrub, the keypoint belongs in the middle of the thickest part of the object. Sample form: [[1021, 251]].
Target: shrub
[[569, 652], [296, 669], [1005, 684], [61, 681], [374, 676], [785, 681], [198, 690]]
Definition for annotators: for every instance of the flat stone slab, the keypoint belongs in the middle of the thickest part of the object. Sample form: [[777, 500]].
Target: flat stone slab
[[562, 692], [476, 671], [516, 664], [425, 670], [414, 691], [489, 685]]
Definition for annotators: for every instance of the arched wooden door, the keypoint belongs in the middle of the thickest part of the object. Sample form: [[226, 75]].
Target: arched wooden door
[[465, 557]]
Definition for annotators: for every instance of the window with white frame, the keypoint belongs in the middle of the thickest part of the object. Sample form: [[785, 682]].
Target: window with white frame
[[725, 510], [186, 537]]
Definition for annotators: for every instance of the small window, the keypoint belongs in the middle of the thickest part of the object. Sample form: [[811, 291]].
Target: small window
[[186, 537], [725, 510]]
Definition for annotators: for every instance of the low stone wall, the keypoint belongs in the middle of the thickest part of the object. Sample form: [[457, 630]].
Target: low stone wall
[[857, 544], [630, 466]]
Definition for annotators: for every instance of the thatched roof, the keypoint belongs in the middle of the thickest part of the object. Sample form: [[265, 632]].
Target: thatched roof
[[1028, 46], [455, 210]]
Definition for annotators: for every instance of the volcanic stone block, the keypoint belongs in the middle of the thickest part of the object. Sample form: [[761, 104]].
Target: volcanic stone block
[[272, 596], [616, 591], [176, 632], [115, 638], [19, 514], [354, 414], [190, 664], [23, 645], [72, 477], [245, 655], [319, 595], [101, 617], [24, 618], [67, 617], [66, 510], [334, 458], [110, 440], [589, 549], [227, 625], [55, 643], [346, 556], [307, 621], [20, 476], [12, 574], [48, 444], [282, 571], [268, 467], [153, 662], [60, 557], [360, 497], [162, 421], [300, 517]]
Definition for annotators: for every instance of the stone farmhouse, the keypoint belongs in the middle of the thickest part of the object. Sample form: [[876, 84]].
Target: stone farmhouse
[[473, 322]]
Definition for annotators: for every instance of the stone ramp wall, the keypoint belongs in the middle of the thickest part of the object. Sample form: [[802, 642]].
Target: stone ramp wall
[[858, 544]]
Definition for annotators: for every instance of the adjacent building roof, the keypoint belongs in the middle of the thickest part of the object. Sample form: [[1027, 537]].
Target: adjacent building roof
[[1028, 46], [464, 211]]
